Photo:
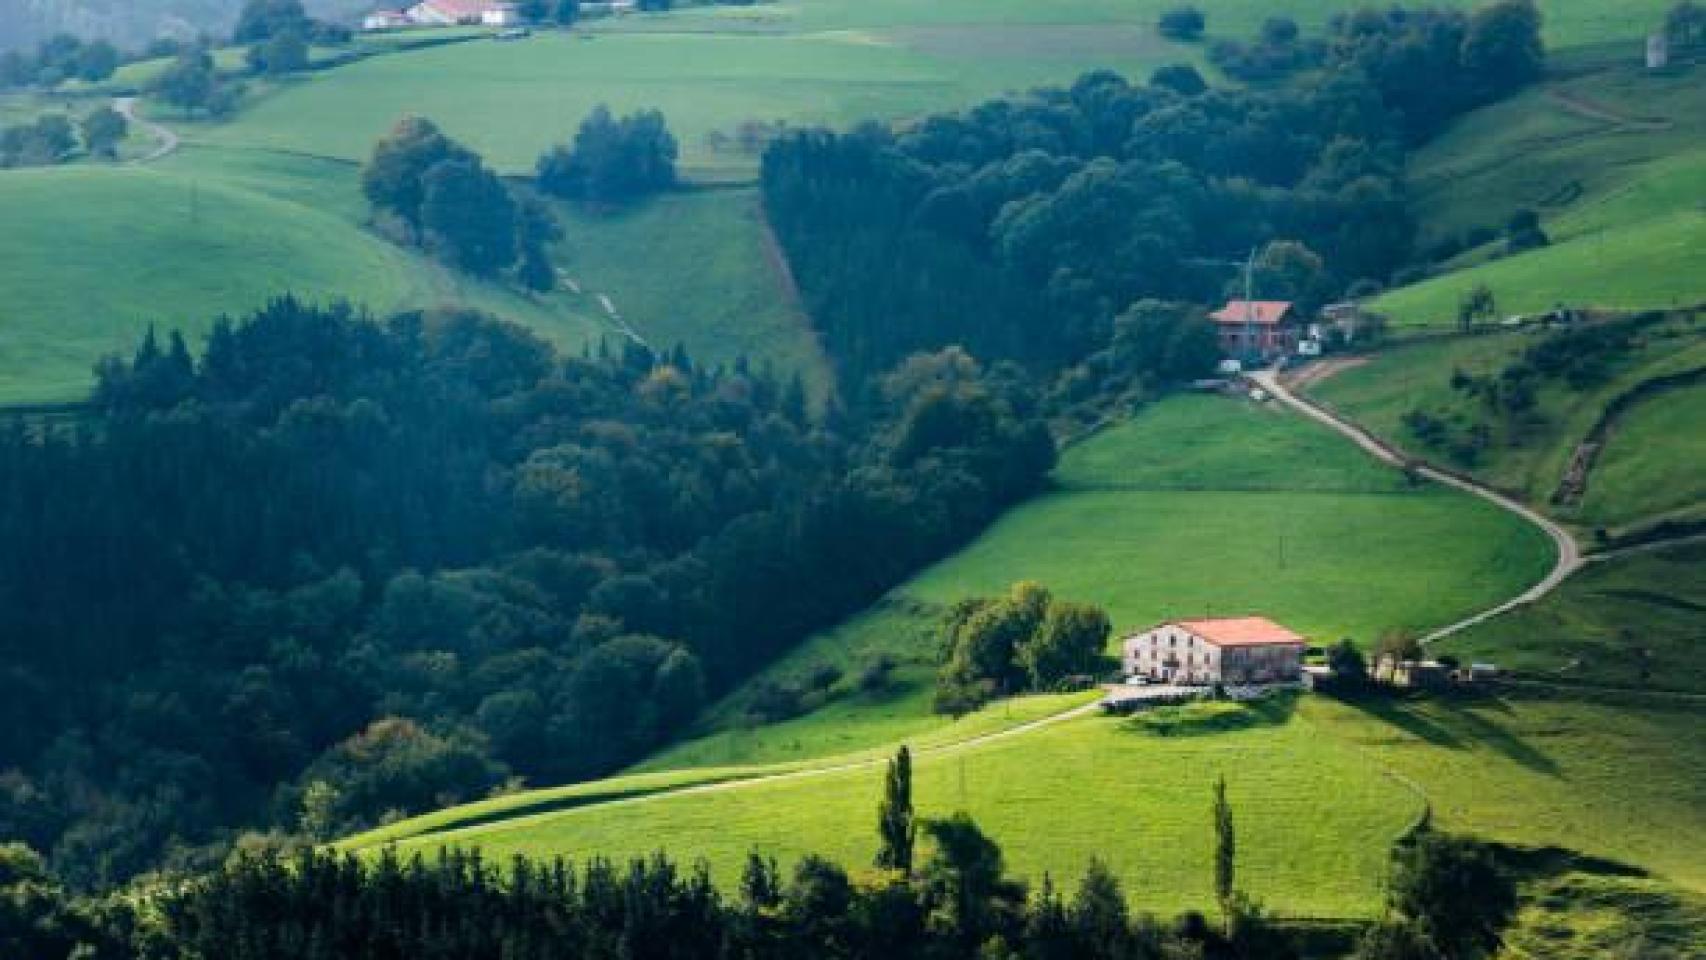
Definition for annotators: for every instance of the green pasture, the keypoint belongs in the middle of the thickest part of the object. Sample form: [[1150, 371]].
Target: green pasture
[[1635, 621], [218, 230], [1568, 22], [1319, 789], [1654, 263], [511, 101], [1197, 506], [1616, 777], [1573, 149], [1614, 161], [1314, 816], [1529, 457], [533, 804], [1653, 462], [1592, 914], [94, 255], [695, 268]]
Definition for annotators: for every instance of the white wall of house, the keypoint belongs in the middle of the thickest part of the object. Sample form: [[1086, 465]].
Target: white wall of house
[[1172, 653]]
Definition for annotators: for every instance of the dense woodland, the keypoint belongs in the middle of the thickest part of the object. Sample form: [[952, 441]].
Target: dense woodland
[[1021, 228], [335, 569]]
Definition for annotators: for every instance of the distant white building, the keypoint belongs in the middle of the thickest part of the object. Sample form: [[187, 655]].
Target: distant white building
[[1658, 51], [385, 20], [1226, 650], [501, 15]]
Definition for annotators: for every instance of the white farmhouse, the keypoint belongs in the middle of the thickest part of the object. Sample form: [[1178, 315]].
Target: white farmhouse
[[1229, 650]]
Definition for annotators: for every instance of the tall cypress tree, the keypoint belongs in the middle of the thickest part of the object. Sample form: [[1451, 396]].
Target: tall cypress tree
[[895, 826], [1225, 850]]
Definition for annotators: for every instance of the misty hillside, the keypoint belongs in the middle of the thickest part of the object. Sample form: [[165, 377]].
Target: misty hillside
[[131, 23]]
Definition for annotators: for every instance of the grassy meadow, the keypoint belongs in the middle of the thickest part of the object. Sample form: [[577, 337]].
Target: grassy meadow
[[1613, 159], [1314, 816], [1319, 789], [512, 101], [1197, 506], [1616, 777], [1634, 479], [695, 268], [178, 243], [1592, 629], [1654, 461]]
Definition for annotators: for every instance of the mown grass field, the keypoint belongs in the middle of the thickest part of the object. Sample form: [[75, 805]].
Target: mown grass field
[[1314, 816], [511, 101], [1199, 505], [218, 230], [695, 268], [1617, 777], [1319, 789], [1614, 160], [1529, 459], [1654, 461], [93, 255], [1595, 628]]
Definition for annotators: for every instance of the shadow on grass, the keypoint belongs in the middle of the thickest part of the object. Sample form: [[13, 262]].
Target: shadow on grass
[[1455, 722], [1208, 717]]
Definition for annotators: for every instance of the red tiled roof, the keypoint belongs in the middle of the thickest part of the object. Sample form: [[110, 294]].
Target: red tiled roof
[[1240, 631], [1252, 311], [459, 9]]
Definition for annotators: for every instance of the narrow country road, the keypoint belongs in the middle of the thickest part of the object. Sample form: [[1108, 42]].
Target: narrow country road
[[1569, 554], [1569, 560], [724, 786], [165, 140]]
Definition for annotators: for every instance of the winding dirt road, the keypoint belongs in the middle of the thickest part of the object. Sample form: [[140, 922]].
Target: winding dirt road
[[1569, 559], [166, 142]]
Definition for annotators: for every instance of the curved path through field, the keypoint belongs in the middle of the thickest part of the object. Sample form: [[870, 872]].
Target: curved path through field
[[1569, 554], [724, 786], [166, 142]]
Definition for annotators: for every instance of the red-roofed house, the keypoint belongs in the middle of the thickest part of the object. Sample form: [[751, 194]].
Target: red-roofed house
[[1256, 329], [445, 13], [1226, 650]]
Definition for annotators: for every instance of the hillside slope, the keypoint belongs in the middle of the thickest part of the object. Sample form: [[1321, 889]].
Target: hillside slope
[[1612, 158]]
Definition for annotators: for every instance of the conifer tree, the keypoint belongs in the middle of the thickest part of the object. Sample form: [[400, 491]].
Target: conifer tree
[[1225, 850], [895, 824]]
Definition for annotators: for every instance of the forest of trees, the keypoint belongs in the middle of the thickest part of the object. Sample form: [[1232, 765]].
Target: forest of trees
[[1023, 227], [385, 566]]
